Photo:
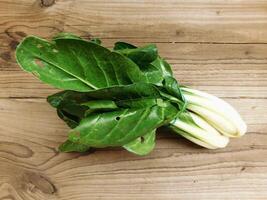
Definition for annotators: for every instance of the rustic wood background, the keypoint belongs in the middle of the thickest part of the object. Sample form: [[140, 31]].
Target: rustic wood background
[[219, 46]]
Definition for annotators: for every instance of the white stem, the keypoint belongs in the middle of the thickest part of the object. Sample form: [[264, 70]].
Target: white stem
[[218, 112], [200, 133]]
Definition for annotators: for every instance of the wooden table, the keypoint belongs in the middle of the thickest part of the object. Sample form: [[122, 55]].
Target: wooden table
[[218, 46]]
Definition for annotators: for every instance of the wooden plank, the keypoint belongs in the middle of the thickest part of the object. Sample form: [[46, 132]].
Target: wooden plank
[[147, 21], [176, 168]]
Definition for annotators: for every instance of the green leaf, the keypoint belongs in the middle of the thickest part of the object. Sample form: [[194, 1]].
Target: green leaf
[[120, 127], [172, 87], [75, 64], [173, 92], [142, 145], [142, 56], [69, 146], [154, 67]]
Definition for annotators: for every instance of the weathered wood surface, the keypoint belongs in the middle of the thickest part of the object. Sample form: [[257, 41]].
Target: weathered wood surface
[[219, 46]]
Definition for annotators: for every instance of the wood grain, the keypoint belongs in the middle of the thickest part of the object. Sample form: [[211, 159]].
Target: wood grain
[[217, 46]]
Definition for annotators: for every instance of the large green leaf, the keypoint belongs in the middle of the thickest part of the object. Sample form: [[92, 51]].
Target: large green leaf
[[120, 127], [142, 145], [75, 64]]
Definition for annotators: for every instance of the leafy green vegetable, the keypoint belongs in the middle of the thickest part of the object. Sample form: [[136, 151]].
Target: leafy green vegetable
[[75, 64], [120, 97]]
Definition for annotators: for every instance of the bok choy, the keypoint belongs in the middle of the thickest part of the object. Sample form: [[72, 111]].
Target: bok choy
[[120, 96]]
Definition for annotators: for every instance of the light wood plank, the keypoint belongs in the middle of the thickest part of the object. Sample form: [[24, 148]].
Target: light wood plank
[[176, 21]]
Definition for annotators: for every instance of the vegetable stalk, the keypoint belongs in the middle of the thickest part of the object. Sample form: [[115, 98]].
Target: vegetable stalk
[[209, 121]]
